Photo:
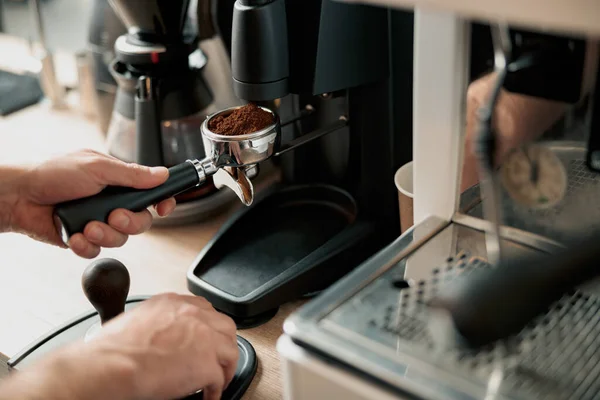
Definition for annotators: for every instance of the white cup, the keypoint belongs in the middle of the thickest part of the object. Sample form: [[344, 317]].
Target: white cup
[[404, 183]]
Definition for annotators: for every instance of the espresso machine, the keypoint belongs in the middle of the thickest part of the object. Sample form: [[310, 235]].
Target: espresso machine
[[494, 292]]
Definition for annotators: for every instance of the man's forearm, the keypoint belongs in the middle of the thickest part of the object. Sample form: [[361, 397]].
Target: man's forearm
[[72, 374]]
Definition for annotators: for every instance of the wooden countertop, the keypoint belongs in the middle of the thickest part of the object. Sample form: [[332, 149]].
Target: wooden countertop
[[40, 284]]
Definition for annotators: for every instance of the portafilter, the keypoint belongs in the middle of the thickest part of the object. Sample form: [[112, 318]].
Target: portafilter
[[227, 159]]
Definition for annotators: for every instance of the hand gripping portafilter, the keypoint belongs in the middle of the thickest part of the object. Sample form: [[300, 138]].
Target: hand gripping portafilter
[[492, 304], [227, 158]]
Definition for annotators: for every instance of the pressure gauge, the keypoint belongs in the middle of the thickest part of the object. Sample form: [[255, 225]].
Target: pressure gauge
[[534, 176]]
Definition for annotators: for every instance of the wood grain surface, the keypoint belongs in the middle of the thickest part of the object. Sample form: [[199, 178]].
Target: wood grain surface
[[41, 284], [3, 366]]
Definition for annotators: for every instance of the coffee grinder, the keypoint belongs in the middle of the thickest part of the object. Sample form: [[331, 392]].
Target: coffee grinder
[[163, 96], [325, 68]]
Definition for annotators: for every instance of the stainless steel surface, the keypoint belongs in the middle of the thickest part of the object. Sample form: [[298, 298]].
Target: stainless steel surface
[[122, 44], [502, 45], [60, 228], [224, 176], [201, 167], [376, 322], [490, 181], [579, 210], [240, 150], [526, 238], [236, 180], [227, 157], [492, 211]]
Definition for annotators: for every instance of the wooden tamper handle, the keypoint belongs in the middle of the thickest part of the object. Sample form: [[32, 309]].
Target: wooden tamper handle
[[105, 283]]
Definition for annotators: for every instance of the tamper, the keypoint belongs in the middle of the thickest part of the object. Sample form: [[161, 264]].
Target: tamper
[[105, 283]]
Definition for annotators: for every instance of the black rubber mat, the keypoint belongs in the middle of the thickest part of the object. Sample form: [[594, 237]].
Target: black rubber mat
[[18, 92]]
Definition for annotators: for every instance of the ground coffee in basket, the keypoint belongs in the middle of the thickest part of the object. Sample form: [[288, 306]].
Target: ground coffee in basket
[[248, 119]]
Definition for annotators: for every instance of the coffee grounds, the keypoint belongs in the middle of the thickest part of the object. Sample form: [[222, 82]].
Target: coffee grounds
[[248, 119]]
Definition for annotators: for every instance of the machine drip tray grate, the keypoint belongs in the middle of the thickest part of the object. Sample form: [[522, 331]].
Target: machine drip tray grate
[[556, 357]]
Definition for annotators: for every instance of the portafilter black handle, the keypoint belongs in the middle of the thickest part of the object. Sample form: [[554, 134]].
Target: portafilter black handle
[[71, 217], [491, 304]]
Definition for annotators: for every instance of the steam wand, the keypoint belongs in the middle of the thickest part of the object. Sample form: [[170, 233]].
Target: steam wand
[[487, 144]]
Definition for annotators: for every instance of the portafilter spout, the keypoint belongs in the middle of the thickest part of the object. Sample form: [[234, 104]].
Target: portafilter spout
[[227, 158]]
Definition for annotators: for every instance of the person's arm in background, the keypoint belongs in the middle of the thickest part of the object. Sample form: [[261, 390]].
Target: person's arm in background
[[28, 196], [518, 119]]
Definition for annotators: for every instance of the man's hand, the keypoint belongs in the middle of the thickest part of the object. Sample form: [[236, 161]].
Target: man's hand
[[517, 120], [178, 345], [32, 194], [168, 347]]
